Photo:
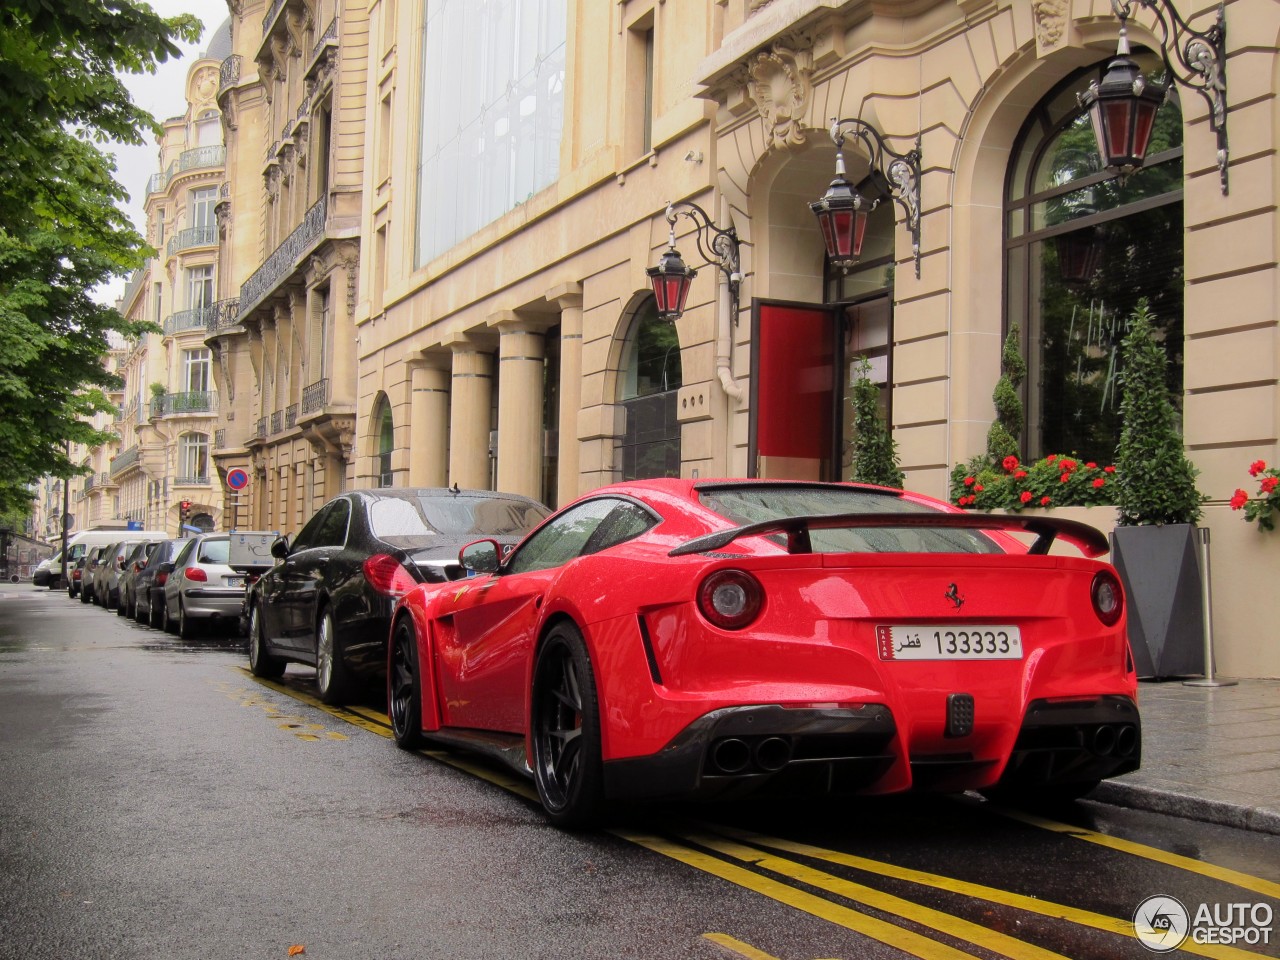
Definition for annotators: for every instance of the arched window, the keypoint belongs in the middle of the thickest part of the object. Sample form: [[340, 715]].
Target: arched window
[[647, 389], [386, 443], [1082, 248]]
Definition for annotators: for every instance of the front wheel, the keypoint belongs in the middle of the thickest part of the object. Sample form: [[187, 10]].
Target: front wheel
[[261, 662], [565, 725], [333, 680], [404, 691]]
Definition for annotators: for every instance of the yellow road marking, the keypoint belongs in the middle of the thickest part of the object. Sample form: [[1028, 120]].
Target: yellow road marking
[[1267, 888], [734, 945], [1044, 908], [946, 923], [908, 941]]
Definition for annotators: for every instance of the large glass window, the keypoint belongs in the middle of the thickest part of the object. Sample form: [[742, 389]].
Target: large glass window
[[493, 111], [1082, 248], [386, 443], [197, 370], [647, 389], [199, 287], [202, 202], [193, 454]]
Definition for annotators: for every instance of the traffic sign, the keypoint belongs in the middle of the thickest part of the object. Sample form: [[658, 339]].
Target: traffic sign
[[237, 479]]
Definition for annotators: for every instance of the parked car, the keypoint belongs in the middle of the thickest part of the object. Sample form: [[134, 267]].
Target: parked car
[[133, 564], [148, 585], [328, 600], [680, 638], [201, 589], [98, 585], [106, 583], [46, 570], [83, 574], [80, 543]]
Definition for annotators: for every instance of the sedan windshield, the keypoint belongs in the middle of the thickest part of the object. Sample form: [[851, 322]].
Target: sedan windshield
[[756, 503], [411, 518]]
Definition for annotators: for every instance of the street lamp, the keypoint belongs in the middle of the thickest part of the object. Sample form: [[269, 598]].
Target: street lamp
[[1122, 107], [840, 211], [672, 277]]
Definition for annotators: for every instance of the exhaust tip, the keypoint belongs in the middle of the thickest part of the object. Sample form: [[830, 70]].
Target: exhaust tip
[[772, 754], [1127, 741], [1104, 741], [731, 755]]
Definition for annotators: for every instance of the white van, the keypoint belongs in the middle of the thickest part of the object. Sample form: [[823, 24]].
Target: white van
[[78, 545]]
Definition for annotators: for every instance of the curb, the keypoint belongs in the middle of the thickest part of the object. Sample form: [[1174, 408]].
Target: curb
[[1188, 807]]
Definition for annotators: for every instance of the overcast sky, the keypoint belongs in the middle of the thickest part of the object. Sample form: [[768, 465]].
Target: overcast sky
[[162, 94]]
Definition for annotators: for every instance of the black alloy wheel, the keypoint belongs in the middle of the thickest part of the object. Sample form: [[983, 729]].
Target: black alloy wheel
[[261, 662], [565, 721], [404, 694]]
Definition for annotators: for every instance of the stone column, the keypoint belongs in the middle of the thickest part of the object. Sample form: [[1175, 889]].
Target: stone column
[[568, 478], [521, 371], [471, 390], [428, 425]]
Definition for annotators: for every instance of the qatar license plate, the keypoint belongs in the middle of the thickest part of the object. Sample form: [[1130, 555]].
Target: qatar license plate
[[949, 643], [235, 581]]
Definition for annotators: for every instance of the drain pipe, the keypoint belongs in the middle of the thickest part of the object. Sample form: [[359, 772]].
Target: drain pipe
[[726, 318]]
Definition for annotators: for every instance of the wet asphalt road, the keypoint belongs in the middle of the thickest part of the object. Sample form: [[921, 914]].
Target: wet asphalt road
[[158, 802]]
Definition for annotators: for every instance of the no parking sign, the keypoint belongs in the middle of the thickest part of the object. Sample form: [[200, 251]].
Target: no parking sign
[[237, 479]]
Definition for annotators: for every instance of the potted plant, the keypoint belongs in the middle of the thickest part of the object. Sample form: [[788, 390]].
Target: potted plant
[[875, 452], [1154, 547]]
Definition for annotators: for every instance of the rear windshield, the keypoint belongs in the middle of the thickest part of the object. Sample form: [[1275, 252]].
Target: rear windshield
[[214, 551], [405, 521], [755, 504]]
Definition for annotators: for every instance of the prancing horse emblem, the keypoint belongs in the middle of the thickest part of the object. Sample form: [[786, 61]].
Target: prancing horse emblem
[[953, 594]]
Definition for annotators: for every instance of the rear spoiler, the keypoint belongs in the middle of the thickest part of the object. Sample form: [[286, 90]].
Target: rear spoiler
[[1088, 540]]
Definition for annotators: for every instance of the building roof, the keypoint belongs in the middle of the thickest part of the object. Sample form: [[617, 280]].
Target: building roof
[[220, 42]]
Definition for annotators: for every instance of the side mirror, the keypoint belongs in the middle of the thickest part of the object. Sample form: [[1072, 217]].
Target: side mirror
[[165, 568], [280, 548], [481, 556]]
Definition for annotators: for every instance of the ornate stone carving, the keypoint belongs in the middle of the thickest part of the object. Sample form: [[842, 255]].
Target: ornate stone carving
[[755, 6], [1051, 21], [781, 84]]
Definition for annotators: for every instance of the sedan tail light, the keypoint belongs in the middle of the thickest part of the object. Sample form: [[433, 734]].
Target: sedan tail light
[[730, 599], [195, 573], [387, 575], [161, 579], [1108, 597]]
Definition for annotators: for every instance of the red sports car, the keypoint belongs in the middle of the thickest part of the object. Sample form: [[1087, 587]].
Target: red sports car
[[681, 638]]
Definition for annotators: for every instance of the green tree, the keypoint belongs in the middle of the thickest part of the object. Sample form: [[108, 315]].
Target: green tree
[[62, 233], [1155, 482], [1002, 438], [875, 453]]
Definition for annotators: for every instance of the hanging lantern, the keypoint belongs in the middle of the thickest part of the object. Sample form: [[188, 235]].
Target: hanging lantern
[[1122, 109], [1079, 254], [671, 280], [842, 219]]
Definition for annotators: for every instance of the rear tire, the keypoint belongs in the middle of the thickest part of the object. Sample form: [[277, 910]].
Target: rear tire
[[166, 622], [121, 609], [333, 679], [186, 625], [565, 722], [261, 662], [404, 686]]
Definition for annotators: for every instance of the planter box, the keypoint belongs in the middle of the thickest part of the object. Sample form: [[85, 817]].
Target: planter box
[[1160, 569]]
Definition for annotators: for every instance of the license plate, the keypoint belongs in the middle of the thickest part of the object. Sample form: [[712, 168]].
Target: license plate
[[949, 643], [235, 581]]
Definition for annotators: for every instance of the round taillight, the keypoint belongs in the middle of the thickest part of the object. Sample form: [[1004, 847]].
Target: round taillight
[[1108, 598], [730, 599]]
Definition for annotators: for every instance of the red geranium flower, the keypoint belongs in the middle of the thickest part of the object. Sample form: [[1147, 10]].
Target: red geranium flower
[[1239, 499], [1066, 475], [1045, 501], [1099, 482], [1050, 458], [978, 487], [1019, 474], [1065, 465], [1091, 465], [1025, 496], [1257, 467], [969, 481], [1010, 464], [1269, 484], [1108, 469]]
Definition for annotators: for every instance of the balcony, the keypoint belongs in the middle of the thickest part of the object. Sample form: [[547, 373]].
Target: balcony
[[192, 237], [124, 461], [196, 318], [222, 315], [291, 416], [198, 158], [196, 481], [196, 401], [136, 282], [229, 73], [277, 422], [283, 260], [260, 430], [89, 482], [315, 396], [219, 438]]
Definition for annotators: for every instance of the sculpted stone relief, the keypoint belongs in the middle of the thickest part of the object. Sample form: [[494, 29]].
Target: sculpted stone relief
[[780, 82], [1051, 21]]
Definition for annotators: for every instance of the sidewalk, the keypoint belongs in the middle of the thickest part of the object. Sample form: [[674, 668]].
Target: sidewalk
[[1208, 753]]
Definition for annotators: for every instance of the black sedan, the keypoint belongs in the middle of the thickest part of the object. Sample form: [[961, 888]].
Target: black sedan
[[328, 600]]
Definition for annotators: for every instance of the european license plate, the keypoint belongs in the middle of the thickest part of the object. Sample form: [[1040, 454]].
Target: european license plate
[[235, 581], [949, 643]]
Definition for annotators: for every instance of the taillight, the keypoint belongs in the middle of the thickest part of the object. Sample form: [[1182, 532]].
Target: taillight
[[161, 579], [75, 574], [1108, 597], [385, 574], [195, 573], [730, 599]]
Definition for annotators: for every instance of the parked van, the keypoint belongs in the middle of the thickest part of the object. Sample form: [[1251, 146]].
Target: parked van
[[79, 543]]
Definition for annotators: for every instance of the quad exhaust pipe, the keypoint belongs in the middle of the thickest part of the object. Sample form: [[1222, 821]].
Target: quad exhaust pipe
[[1113, 740]]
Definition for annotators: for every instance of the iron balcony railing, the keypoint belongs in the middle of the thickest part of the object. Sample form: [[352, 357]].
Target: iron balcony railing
[[89, 481], [197, 158], [291, 416], [219, 438], [277, 422], [205, 236], [315, 396], [272, 12], [280, 264], [195, 401], [124, 460], [223, 314], [200, 480], [197, 318], [136, 282], [260, 430], [104, 478], [229, 72]]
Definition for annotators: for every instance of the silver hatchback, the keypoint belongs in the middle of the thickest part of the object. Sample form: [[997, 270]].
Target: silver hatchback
[[202, 589]]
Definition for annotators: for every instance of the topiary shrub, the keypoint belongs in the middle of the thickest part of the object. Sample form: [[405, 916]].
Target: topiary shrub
[[875, 452], [1002, 438]]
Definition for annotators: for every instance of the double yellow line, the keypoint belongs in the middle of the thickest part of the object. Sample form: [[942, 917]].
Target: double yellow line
[[755, 862]]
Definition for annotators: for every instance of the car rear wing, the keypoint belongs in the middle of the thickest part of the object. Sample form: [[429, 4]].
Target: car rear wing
[[1088, 540]]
